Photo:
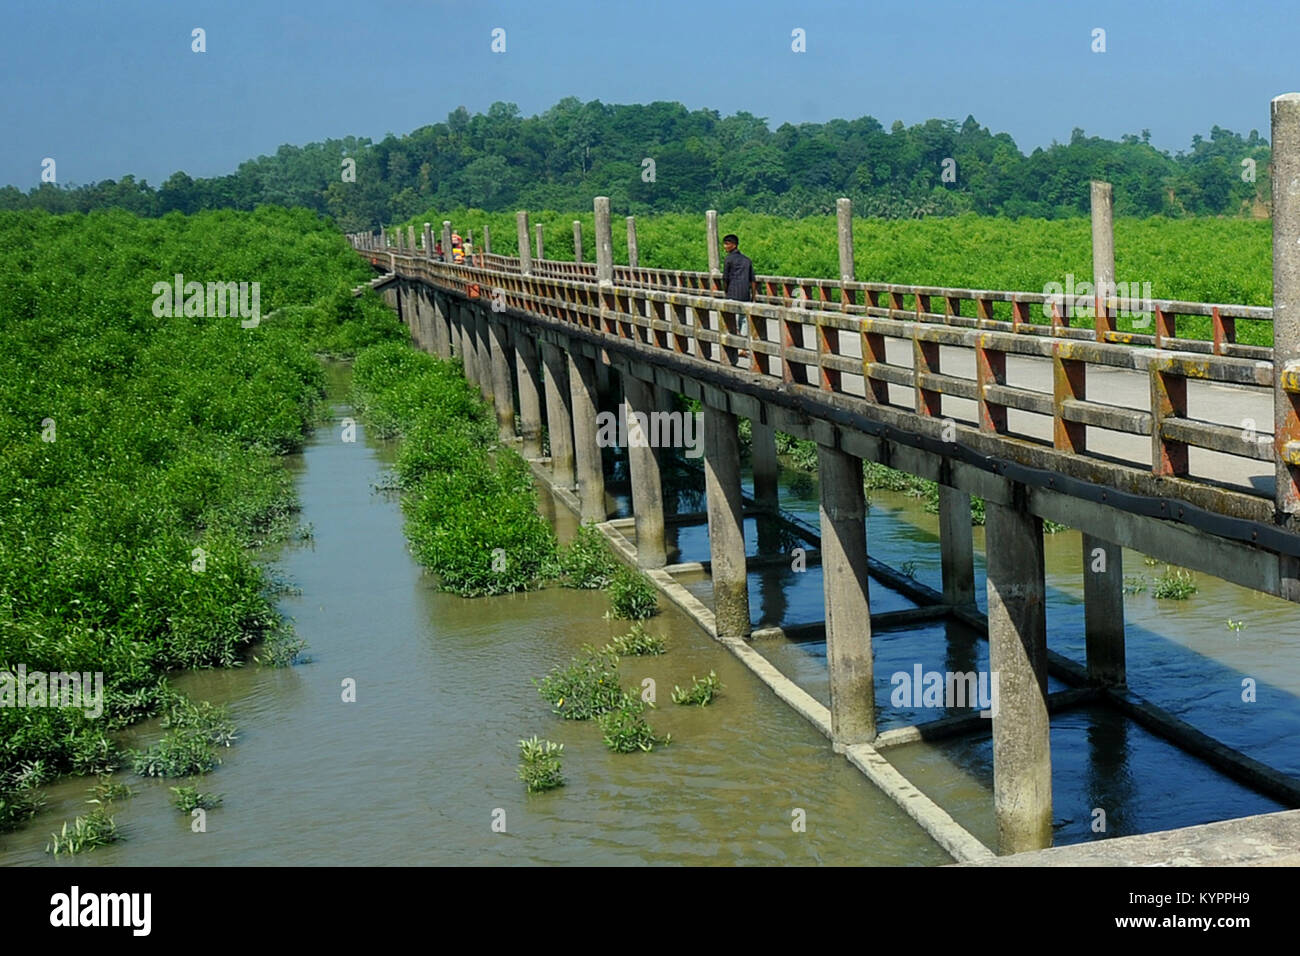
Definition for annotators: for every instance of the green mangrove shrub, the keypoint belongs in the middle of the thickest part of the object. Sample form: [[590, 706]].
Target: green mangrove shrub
[[587, 688], [632, 597], [1176, 584], [187, 799], [97, 828], [539, 766], [701, 692], [587, 562], [471, 508], [637, 643], [624, 728], [195, 731]]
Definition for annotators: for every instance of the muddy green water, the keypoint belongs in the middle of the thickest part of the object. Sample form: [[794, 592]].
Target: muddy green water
[[414, 770]]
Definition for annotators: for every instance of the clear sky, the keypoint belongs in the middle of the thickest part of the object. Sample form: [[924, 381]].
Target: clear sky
[[109, 87]]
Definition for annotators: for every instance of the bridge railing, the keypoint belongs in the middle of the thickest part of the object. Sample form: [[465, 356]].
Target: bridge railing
[[1031, 313], [803, 345]]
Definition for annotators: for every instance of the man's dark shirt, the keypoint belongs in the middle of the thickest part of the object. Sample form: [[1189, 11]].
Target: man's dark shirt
[[738, 276]]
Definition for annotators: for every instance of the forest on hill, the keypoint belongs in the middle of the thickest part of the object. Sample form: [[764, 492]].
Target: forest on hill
[[662, 157]]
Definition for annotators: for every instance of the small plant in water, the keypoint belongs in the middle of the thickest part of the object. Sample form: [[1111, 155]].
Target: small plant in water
[[586, 688], [107, 790], [1176, 584], [701, 691], [908, 568], [637, 643], [187, 799], [1134, 584], [587, 562], [624, 729], [631, 595], [95, 829], [540, 766], [190, 745], [1235, 625]]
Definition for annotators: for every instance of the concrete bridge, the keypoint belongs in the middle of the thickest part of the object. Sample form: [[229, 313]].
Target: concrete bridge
[[1138, 439]]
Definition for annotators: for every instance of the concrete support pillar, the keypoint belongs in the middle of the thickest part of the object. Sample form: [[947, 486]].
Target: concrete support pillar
[[525, 254], [586, 452], [577, 240], [604, 242], [1285, 181], [538, 229], [487, 241], [726, 523], [502, 393], [1103, 610], [410, 239], [647, 486], [711, 230], [441, 331], [1022, 759], [767, 469], [428, 239], [457, 330], [633, 259], [480, 320], [446, 240], [468, 341], [421, 330], [383, 237], [530, 385], [956, 547], [1103, 254], [844, 585], [559, 419], [844, 230]]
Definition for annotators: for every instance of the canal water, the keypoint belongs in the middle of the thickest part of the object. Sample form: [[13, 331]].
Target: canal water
[[419, 767]]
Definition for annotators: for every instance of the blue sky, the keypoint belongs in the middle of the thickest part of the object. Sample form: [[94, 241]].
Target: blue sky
[[109, 87]]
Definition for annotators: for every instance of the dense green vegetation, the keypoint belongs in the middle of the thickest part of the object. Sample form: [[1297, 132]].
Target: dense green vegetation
[[139, 466], [573, 151], [471, 508]]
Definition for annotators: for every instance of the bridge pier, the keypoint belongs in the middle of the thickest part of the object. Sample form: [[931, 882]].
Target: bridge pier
[[956, 547], [478, 316], [441, 330], [469, 346], [530, 403], [559, 419], [590, 475], [844, 586], [647, 485], [766, 467], [726, 523], [459, 341], [428, 326], [1103, 610], [502, 396], [1022, 761]]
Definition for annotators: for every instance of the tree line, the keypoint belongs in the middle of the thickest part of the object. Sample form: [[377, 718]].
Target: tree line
[[662, 157]]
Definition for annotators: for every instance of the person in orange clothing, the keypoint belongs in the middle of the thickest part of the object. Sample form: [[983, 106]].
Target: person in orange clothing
[[457, 248]]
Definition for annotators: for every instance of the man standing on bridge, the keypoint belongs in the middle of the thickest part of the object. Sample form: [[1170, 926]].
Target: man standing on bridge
[[737, 271], [737, 276]]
